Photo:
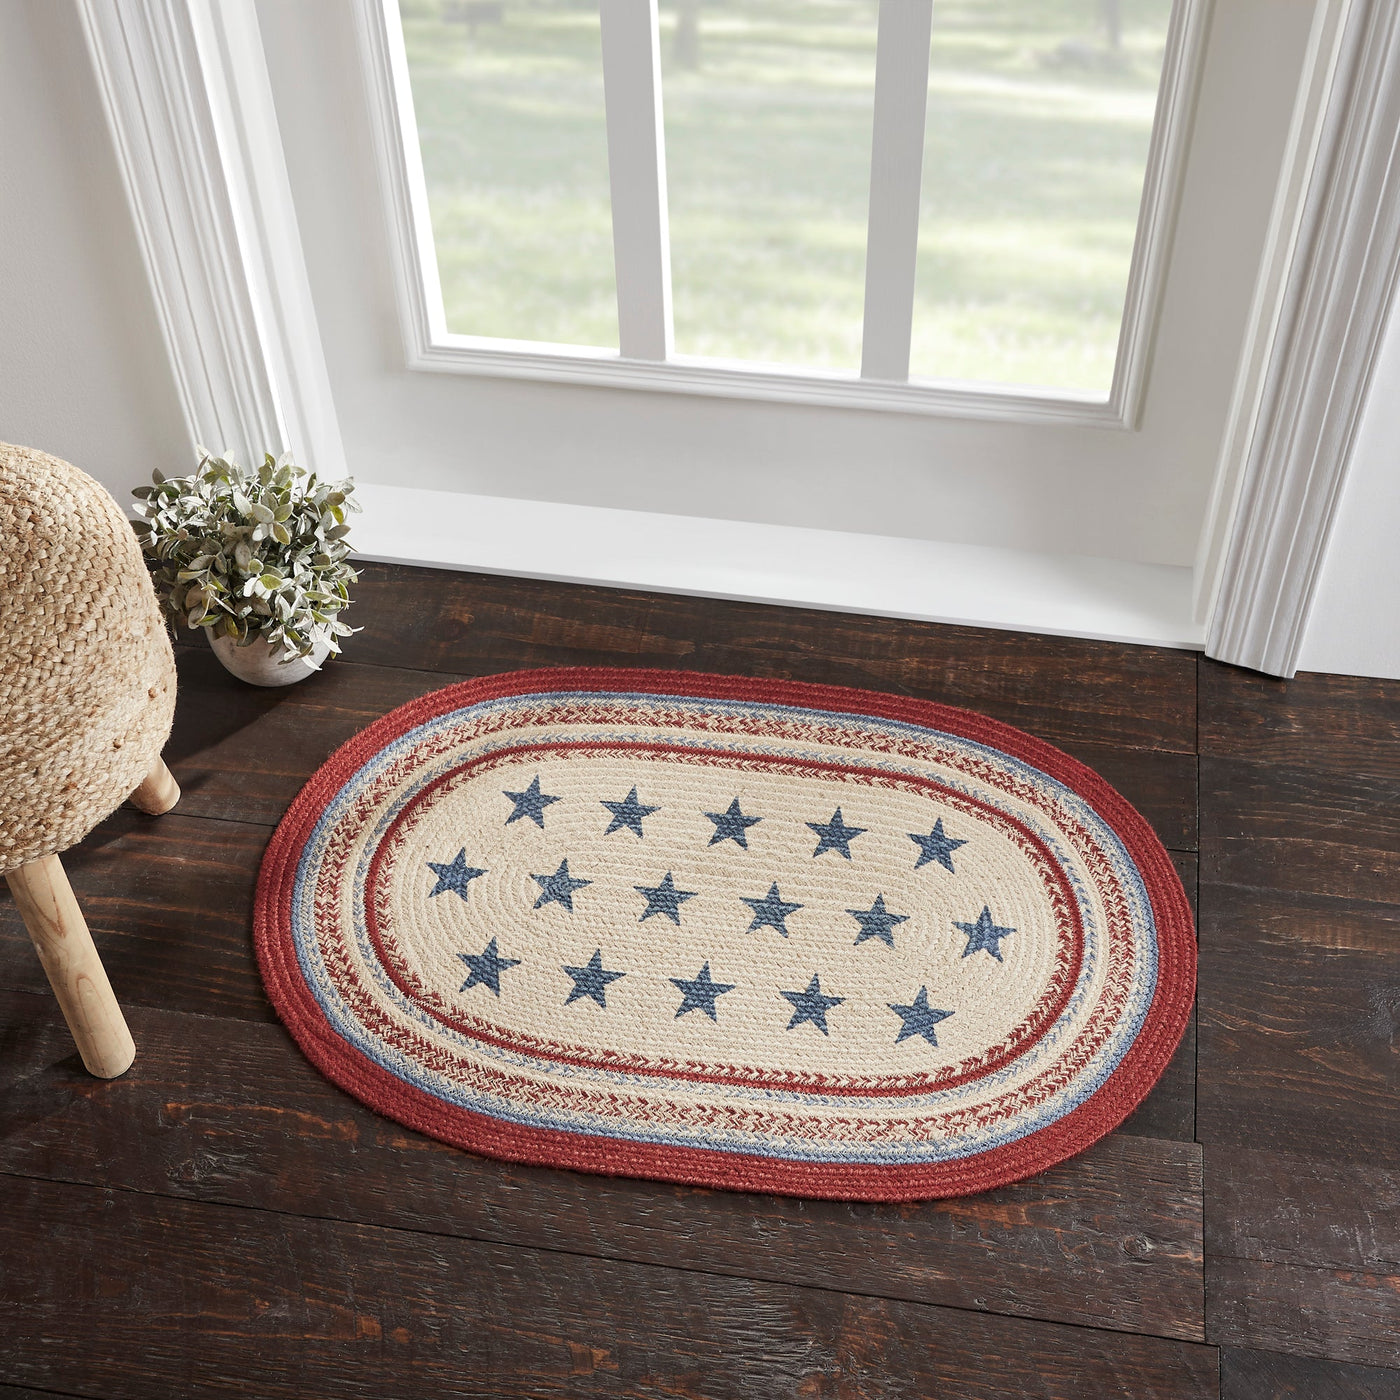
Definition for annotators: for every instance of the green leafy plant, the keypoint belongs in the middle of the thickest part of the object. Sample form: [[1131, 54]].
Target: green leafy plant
[[251, 553]]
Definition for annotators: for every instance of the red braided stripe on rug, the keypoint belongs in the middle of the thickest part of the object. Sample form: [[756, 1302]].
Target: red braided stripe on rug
[[303, 1007]]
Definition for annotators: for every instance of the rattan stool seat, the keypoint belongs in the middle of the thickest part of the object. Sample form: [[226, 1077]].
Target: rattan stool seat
[[87, 695]]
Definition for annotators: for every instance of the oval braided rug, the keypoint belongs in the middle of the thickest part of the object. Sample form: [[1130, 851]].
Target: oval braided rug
[[735, 933]]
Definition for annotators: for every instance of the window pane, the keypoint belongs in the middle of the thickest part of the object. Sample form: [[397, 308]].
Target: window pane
[[1039, 117], [509, 101], [768, 106]]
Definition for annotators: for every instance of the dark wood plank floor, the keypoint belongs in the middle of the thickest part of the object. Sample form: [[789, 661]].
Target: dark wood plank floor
[[220, 1220]]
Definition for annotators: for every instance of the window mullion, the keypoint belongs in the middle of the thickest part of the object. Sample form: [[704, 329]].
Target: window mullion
[[637, 176], [896, 175]]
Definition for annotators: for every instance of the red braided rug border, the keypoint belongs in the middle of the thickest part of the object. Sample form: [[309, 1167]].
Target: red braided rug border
[[345, 1066]]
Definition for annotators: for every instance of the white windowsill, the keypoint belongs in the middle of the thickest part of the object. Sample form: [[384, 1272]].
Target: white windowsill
[[975, 585]]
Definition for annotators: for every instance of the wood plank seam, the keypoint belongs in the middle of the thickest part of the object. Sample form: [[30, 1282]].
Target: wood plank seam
[[1193, 1334]]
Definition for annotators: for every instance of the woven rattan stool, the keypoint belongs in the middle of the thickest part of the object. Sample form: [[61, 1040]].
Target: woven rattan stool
[[87, 693]]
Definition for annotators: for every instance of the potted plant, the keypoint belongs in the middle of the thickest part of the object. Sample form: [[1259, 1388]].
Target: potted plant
[[257, 559]]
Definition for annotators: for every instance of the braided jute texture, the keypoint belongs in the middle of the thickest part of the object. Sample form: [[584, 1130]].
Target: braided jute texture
[[87, 676], [734, 933]]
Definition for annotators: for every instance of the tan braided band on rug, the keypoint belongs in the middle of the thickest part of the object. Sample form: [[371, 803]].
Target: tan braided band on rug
[[87, 677]]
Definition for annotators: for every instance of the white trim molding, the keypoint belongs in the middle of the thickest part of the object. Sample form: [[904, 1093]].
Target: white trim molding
[[189, 103], [429, 345], [928, 580], [1324, 306], [1319, 71]]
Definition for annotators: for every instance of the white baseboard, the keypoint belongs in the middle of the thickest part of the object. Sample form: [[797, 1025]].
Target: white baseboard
[[975, 585]]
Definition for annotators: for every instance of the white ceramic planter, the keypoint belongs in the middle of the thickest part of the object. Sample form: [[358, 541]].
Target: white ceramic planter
[[261, 664]]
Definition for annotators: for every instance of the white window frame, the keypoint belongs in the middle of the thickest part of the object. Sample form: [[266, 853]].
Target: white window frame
[[636, 158]]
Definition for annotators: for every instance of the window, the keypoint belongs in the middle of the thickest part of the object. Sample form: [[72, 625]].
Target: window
[[882, 202], [1035, 151], [509, 107], [767, 118]]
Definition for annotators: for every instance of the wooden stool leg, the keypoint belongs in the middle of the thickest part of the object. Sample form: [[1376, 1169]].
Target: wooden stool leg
[[75, 972], [158, 792]]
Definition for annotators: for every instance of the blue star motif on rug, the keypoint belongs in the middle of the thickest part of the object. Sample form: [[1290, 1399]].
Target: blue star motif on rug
[[732, 825], [836, 835], [811, 1005], [530, 803], [771, 911], [700, 992], [919, 1019], [486, 968], [558, 888], [455, 874], [984, 935], [591, 981], [628, 813], [664, 898], [877, 922], [936, 846]]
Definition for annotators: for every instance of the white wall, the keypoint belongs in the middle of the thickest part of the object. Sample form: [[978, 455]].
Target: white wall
[[1355, 623], [83, 369]]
